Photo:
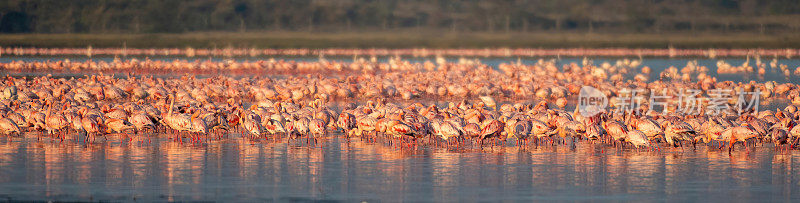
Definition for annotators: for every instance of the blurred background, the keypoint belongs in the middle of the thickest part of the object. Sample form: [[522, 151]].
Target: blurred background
[[397, 23]]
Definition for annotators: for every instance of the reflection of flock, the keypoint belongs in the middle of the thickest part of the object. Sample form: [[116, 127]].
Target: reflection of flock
[[477, 104]]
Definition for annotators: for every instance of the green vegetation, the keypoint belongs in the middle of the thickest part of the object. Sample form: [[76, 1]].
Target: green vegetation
[[586, 16], [399, 40], [400, 23]]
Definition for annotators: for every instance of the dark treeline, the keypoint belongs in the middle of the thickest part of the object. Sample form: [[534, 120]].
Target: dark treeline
[[610, 16]]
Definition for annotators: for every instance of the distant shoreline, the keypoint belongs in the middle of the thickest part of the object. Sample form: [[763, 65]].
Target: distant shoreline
[[383, 52], [402, 40]]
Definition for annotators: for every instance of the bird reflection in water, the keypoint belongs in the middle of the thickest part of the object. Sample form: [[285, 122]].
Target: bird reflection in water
[[335, 167]]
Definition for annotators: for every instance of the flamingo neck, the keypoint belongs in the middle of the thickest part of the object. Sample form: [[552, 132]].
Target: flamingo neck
[[49, 107], [171, 103]]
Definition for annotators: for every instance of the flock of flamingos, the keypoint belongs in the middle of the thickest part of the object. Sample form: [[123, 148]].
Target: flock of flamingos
[[438, 103], [419, 52]]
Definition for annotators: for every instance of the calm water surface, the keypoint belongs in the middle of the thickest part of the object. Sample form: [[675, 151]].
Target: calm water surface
[[159, 169]]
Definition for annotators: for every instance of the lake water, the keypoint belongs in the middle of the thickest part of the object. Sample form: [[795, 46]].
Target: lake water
[[155, 168], [656, 64], [234, 168]]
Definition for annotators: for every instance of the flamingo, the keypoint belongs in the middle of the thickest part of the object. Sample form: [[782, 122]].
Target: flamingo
[[400, 130], [252, 125], [738, 134], [448, 131], [648, 126], [142, 122], [18, 119], [678, 131], [366, 124], [316, 127], [55, 122], [637, 138], [346, 122], [616, 130], [198, 124], [118, 126], [178, 122], [472, 130], [8, 127], [540, 129], [90, 126], [301, 127], [522, 129], [779, 136], [490, 129]]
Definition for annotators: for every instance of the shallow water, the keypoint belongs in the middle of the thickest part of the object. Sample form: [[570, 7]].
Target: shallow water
[[159, 169]]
